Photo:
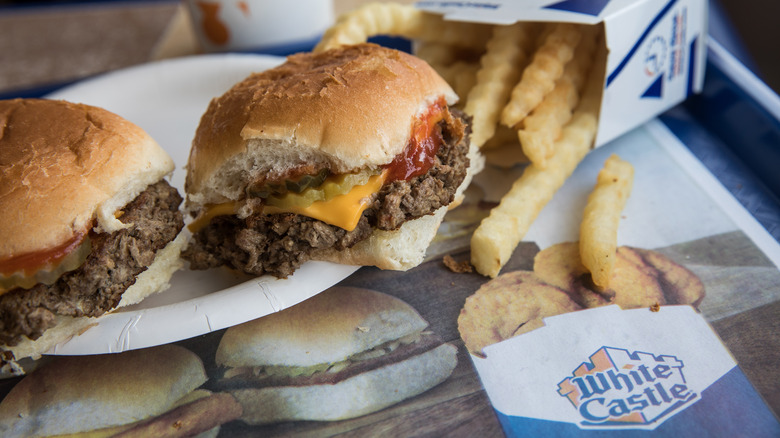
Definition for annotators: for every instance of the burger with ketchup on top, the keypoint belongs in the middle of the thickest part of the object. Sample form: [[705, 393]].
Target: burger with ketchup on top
[[89, 222], [351, 155]]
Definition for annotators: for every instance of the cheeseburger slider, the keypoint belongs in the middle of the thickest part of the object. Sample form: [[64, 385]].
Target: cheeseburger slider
[[350, 155], [153, 392], [341, 354], [88, 221]]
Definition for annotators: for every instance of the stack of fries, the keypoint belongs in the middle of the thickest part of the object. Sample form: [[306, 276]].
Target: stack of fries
[[539, 83]]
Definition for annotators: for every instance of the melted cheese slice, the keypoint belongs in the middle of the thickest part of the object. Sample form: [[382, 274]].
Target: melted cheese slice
[[210, 213], [343, 211]]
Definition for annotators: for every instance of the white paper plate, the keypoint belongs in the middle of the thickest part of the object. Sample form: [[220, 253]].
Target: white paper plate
[[166, 99]]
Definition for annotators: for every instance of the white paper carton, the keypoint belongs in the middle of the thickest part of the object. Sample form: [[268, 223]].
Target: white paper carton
[[656, 48]]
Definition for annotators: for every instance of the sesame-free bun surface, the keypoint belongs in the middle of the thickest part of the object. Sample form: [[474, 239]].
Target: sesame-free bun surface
[[345, 109], [326, 328], [64, 164], [74, 394]]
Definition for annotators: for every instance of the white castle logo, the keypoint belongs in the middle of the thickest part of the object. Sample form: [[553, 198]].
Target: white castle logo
[[618, 389]]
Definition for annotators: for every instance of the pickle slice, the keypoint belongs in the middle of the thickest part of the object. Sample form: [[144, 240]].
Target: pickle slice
[[307, 181], [48, 274], [332, 187], [294, 186]]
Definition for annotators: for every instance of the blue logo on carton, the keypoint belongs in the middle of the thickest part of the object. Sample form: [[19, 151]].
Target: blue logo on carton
[[618, 389], [655, 54]]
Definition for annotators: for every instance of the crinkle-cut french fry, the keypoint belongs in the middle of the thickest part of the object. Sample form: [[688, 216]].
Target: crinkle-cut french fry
[[539, 77], [408, 21], [501, 67], [443, 54], [461, 75], [498, 234], [543, 126], [601, 218], [436, 53], [503, 136], [544, 32], [506, 156], [473, 36], [583, 57], [593, 89], [357, 25]]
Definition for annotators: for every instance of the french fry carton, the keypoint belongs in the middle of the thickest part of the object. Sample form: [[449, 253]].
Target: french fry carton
[[656, 49]]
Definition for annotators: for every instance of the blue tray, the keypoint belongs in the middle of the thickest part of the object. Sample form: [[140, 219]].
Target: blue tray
[[733, 128]]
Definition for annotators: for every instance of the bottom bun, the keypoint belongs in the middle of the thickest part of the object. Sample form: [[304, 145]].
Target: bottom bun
[[397, 250], [359, 395], [154, 279], [404, 248]]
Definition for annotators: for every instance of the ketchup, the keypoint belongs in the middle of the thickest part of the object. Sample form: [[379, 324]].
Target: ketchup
[[423, 146], [32, 261]]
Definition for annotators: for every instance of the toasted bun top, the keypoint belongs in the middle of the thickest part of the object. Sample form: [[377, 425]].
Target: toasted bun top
[[326, 328], [63, 164], [345, 109], [79, 393]]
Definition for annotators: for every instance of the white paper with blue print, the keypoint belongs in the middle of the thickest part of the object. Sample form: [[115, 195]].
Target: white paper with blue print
[[606, 376]]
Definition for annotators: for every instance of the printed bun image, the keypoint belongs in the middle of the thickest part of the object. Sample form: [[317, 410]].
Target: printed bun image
[[149, 392], [351, 155], [344, 353], [517, 302], [89, 225]]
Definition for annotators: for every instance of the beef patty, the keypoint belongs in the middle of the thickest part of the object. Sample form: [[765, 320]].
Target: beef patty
[[278, 244], [111, 267]]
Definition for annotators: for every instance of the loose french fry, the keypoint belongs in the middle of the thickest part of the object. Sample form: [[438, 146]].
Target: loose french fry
[[601, 218], [501, 67], [497, 235], [539, 77], [373, 19]]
